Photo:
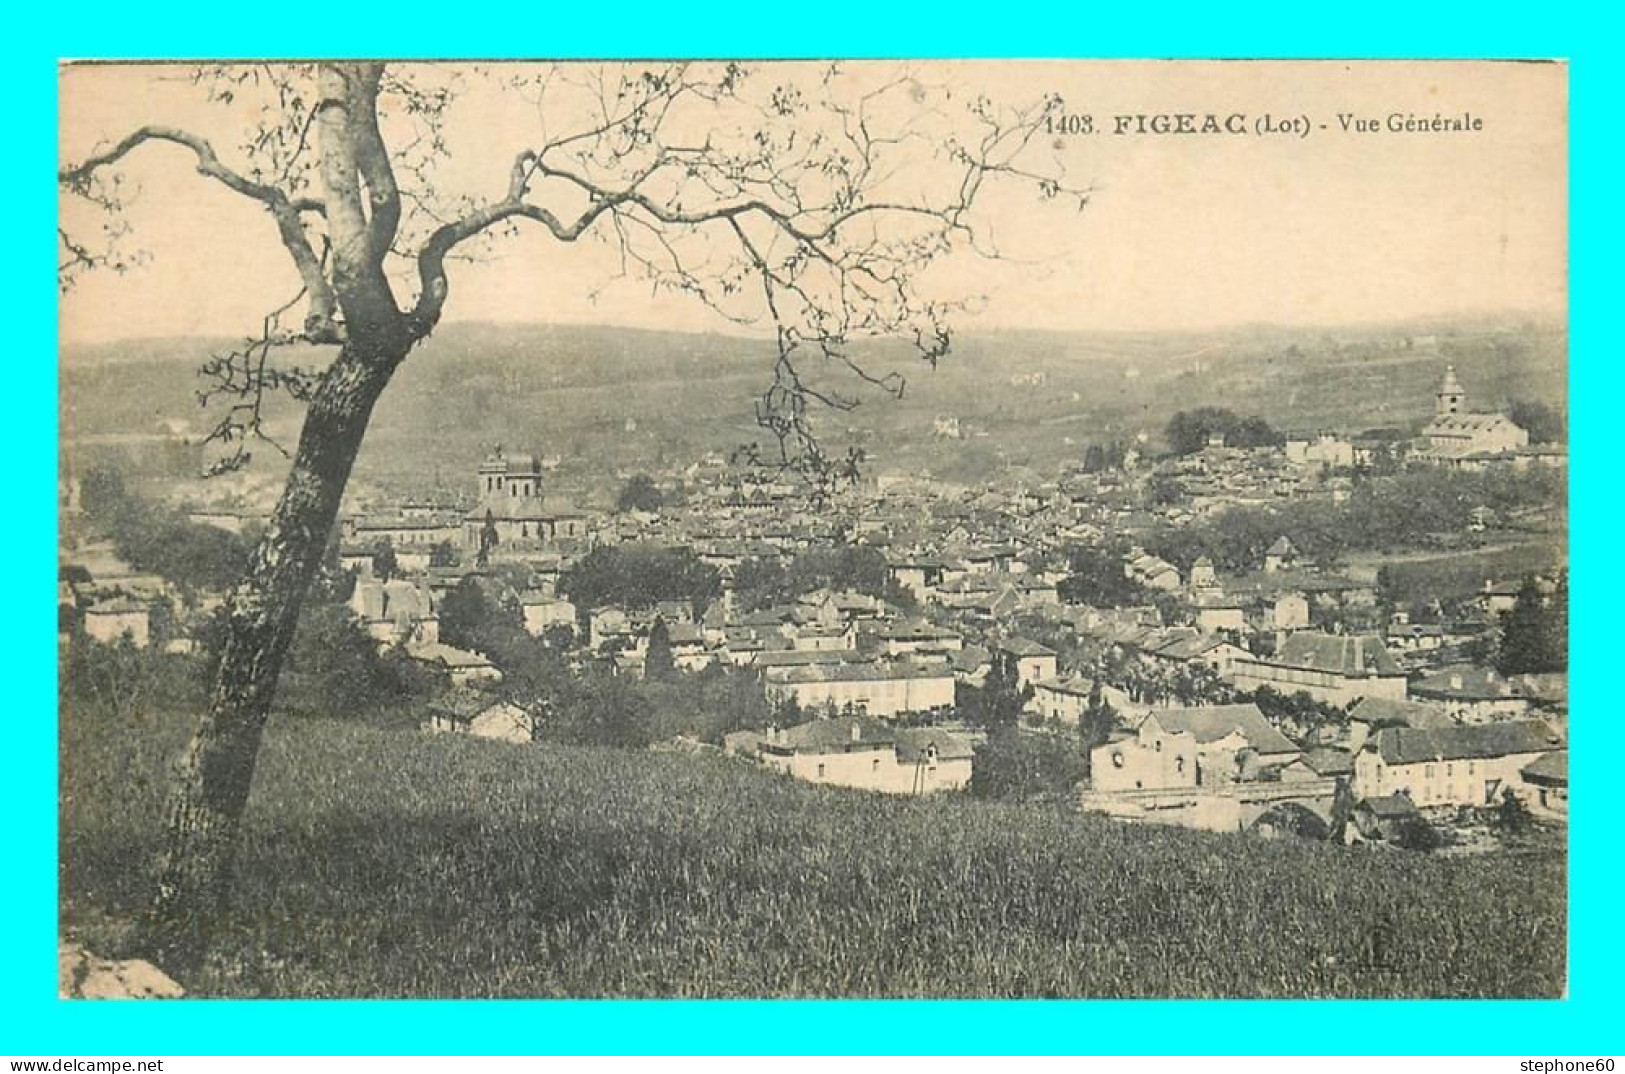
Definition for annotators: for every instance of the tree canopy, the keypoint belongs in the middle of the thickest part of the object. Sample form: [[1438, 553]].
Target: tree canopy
[[761, 583], [1543, 423], [639, 576], [1403, 511], [640, 494], [810, 207], [154, 538], [1188, 431], [1535, 633]]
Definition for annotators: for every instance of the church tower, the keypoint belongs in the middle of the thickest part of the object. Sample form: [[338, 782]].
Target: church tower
[[507, 479], [525, 477], [493, 475], [1451, 399]]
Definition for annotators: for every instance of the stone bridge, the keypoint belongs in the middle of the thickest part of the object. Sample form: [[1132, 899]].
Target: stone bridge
[[1229, 807]]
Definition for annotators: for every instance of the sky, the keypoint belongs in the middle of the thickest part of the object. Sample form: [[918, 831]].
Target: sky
[[1181, 232]]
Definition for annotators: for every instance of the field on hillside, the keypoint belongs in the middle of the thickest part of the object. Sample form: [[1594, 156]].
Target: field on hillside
[[382, 862], [1461, 574]]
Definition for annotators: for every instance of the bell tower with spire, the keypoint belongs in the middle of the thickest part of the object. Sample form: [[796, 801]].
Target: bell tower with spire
[[1451, 399]]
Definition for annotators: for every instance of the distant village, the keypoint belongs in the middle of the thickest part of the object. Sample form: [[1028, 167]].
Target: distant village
[[1283, 693]]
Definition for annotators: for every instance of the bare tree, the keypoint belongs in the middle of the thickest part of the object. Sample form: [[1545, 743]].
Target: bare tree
[[810, 207]]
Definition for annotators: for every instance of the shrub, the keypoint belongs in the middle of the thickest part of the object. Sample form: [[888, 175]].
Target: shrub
[[1015, 765]]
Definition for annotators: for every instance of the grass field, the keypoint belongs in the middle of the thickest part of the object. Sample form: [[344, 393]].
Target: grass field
[[1459, 575], [385, 863]]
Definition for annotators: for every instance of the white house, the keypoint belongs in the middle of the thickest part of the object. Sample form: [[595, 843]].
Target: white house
[[1024, 662], [543, 612], [1466, 765], [1066, 698], [109, 620], [1190, 747], [470, 713], [1472, 694], [396, 611], [877, 689], [463, 667], [1335, 668], [855, 751]]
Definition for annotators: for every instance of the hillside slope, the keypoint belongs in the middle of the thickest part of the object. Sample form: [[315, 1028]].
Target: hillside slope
[[383, 862], [606, 398]]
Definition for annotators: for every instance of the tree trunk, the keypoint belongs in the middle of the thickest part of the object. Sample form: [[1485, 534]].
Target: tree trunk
[[212, 778]]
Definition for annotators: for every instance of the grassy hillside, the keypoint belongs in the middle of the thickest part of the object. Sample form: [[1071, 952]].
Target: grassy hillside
[[383, 862]]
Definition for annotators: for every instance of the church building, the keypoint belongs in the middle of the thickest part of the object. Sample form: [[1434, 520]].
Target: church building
[[512, 515], [1459, 437]]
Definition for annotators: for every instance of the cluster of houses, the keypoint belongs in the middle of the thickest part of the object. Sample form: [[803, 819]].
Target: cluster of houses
[[110, 600], [864, 753], [1223, 767], [1321, 463], [970, 572]]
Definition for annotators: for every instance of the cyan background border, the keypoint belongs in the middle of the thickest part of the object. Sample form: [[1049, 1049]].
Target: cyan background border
[[32, 1021]]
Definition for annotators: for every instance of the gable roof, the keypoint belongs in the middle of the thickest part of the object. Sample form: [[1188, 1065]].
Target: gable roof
[[1467, 682], [685, 634], [1544, 688], [116, 606], [1467, 424], [786, 658], [1189, 648], [969, 659], [1329, 761], [1411, 745], [1023, 647], [858, 672], [1382, 710], [1341, 654], [1389, 805], [1210, 723], [834, 735], [917, 630], [451, 657], [912, 743], [1073, 685], [1549, 769]]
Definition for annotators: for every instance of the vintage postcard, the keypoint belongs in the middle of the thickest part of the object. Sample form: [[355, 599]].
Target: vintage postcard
[[814, 529]]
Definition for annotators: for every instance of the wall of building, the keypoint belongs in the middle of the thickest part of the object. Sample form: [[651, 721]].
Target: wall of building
[[539, 617], [1209, 620], [878, 697], [1148, 761], [1484, 710], [1321, 685], [873, 769], [1061, 704], [1476, 782], [1551, 802], [109, 627], [1290, 613], [1030, 669]]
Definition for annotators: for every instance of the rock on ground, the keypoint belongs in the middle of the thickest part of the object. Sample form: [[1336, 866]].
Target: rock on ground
[[82, 975]]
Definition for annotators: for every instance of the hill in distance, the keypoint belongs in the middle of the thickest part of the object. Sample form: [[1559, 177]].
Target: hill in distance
[[605, 398]]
